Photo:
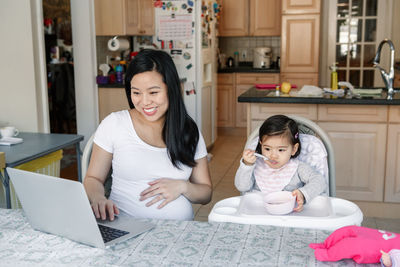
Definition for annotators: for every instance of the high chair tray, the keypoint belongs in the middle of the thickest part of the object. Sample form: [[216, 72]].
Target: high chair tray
[[325, 213]]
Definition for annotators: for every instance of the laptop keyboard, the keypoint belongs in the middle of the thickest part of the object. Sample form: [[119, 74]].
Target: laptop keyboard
[[109, 233]]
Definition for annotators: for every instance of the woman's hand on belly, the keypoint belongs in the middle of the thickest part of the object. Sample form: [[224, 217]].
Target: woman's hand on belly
[[165, 190]]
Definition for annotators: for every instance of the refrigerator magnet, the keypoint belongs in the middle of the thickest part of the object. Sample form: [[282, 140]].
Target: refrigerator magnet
[[176, 52], [189, 66], [186, 55]]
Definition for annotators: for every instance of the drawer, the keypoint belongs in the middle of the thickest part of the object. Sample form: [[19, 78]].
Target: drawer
[[265, 110], [394, 113], [225, 78], [352, 113], [257, 78]]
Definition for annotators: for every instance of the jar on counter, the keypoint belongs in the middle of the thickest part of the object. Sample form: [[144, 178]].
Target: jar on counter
[[236, 59]]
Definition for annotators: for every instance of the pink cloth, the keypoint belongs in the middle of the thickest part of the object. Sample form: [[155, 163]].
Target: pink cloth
[[273, 180], [361, 244]]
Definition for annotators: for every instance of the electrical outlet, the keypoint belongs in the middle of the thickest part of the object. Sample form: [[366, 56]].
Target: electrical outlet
[[243, 54]]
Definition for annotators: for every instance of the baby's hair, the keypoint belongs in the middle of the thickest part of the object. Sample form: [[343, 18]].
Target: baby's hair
[[283, 126]]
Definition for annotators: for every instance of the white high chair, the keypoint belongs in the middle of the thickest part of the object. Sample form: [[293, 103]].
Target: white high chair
[[323, 212]]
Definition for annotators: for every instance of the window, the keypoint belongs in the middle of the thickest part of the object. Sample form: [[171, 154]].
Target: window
[[355, 29]]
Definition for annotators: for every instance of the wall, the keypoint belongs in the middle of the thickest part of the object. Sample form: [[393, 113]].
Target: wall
[[21, 72], [228, 45]]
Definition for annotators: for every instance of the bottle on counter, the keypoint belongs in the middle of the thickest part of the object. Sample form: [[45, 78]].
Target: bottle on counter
[[334, 76], [236, 59], [119, 73]]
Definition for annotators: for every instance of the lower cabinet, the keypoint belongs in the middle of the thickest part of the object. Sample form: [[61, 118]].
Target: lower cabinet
[[226, 98], [111, 100], [360, 158], [231, 113]]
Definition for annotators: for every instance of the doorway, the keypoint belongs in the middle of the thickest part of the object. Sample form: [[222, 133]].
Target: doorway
[[60, 77], [59, 65]]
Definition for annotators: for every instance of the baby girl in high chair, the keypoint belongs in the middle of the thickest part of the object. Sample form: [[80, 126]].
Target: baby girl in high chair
[[280, 169]]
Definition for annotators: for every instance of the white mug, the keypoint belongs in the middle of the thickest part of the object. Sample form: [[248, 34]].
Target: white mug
[[9, 131]]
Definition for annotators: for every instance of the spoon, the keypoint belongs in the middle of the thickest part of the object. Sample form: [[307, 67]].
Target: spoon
[[261, 156]]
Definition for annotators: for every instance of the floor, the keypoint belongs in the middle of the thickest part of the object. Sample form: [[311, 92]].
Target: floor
[[224, 162]]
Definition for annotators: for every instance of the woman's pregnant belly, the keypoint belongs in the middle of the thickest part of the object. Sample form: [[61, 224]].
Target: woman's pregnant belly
[[126, 197]]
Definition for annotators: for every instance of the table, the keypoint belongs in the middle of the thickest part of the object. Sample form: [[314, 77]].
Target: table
[[36, 145], [170, 243]]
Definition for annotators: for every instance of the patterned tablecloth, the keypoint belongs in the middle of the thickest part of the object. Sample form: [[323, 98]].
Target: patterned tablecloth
[[171, 243]]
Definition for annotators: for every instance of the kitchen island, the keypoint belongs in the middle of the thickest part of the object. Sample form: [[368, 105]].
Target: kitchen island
[[365, 133]]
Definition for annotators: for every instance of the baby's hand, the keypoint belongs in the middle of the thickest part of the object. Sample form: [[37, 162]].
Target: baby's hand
[[248, 157], [386, 259], [299, 199]]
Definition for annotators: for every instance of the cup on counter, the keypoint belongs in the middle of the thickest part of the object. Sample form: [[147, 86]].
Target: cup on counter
[[8, 131]]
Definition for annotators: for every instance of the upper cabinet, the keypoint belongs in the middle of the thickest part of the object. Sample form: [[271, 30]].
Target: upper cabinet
[[234, 18], [300, 41], [124, 17], [301, 6], [250, 18]]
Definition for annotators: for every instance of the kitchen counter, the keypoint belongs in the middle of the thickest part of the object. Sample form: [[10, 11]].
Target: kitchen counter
[[364, 134], [254, 95], [248, 69]]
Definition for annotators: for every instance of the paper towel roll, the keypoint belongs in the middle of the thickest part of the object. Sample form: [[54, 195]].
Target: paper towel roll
[[115, 44]]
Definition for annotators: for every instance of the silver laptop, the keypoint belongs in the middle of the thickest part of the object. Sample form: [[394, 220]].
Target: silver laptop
[[61, 207]]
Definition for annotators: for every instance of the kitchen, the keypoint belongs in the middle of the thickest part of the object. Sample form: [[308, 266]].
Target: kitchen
[[233, 115], [242, 37]]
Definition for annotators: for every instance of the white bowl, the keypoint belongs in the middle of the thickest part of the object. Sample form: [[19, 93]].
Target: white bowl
[[279, 203]]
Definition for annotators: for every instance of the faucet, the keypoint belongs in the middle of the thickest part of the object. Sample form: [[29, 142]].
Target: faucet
[[387, 77]]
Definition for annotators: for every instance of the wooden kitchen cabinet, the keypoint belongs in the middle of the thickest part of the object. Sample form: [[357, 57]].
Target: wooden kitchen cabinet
[[301, 6], [392, 181], [300, 43], [244, 81], [358, 134], [250, 18], [111, 100], [226, 100], [124, 17], [234, 18], [259, 112], [360, 158], [265, 18]]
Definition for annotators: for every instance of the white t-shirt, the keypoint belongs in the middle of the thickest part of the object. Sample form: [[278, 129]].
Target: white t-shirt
[[135, 163]]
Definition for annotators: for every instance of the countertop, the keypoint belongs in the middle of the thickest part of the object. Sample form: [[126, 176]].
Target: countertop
[[254, 95], [248, 67]]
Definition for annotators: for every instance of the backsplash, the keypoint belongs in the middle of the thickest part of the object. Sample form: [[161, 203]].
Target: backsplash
[[245, 45]]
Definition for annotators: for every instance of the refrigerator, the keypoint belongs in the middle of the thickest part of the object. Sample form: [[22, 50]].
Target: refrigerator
[[186, 29]]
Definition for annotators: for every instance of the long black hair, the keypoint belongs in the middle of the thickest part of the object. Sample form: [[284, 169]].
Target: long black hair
[[280, 125], [180, 132]]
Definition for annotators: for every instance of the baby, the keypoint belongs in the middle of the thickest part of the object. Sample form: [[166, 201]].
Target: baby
[[279, 169]]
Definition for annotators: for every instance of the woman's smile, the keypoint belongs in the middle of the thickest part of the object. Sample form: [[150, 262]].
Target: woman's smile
[[150, 111]]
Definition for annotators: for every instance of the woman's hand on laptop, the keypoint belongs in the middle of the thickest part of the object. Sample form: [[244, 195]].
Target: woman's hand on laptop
[[102, 206]]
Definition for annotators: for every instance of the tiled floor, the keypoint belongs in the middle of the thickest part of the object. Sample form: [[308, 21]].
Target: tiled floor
[[226, 153]]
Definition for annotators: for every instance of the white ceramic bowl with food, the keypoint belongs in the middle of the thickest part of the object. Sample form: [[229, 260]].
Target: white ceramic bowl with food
[[279, 203]]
